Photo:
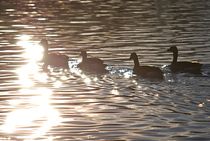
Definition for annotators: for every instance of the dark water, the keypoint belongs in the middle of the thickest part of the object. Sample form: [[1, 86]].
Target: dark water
[[70, 105]]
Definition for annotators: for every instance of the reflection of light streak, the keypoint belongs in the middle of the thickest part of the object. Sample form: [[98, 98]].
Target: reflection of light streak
[[35, 110], [24, 37], [64, 77], [39, 109], [127, 74], [95, 79], [87, 80], [201, 105], [29, 71], [32, 52], [24, 80], [41, 77], [115, 92], [76, 71], [135, 82], [57, 84]]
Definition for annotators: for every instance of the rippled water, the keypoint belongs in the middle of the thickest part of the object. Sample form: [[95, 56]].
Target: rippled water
[[71, 105]]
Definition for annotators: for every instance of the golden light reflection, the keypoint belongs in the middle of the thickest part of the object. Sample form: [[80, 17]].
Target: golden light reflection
[[33, 109], [57, 84], [33, 52], [28, 73], [95, 79], [38, 109], [76, 71], [26, 82], [115, 91], [135, 82], [41, 77], [24, 37], [127, 74], [200, 105], [87, 80], [64, 78]]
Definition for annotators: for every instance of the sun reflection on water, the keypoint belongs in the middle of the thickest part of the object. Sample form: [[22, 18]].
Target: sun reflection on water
[[38, 109], [115, 92], [33, 52], [33, 109]]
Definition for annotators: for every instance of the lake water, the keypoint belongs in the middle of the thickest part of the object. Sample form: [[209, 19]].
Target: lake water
[[72, 105]]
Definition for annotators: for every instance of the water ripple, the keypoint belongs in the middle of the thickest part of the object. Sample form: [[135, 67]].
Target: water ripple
[[74, 105]]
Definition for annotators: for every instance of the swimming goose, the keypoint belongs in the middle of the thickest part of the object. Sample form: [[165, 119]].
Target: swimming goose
[[94, 65], [53, 59], [183, 66], [145, 71]]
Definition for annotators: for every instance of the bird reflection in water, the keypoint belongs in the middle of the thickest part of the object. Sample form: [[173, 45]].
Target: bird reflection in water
[[32, 108]]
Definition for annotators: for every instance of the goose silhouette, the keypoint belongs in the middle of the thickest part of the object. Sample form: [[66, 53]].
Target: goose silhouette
[[53, 59], [145, 71], [94, 65], [184, 66]]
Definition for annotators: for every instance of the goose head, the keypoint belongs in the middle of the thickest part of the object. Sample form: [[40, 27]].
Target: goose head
[[133, 56], [173, 49]]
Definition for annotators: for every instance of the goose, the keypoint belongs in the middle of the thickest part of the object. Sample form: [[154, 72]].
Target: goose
[[53, 59], [185, 66], [145, 71], [94, 65]]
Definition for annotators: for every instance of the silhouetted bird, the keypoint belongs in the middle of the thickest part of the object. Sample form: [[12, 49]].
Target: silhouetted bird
[[145, 71], [185, 66], [53, 59], [94, 65]]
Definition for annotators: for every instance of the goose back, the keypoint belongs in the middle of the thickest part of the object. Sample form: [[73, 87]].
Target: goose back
[[148, 72], [56, 60], [186, 67]]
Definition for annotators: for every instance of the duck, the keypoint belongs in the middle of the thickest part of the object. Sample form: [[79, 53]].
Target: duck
[[184, 66], [53, 59], [150, 72], [94, 65]]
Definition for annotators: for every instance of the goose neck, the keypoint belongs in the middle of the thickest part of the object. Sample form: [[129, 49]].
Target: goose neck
[[175, 56], [136, 62]]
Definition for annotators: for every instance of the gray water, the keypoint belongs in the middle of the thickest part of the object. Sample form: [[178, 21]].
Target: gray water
[[72, 105]]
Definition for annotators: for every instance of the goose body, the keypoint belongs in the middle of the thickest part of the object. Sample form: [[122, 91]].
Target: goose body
[[53, 59], [145, 71], [184, 66], [94, 65]]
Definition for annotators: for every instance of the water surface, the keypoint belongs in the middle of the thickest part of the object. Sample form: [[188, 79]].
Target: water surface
[[72, 105]]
